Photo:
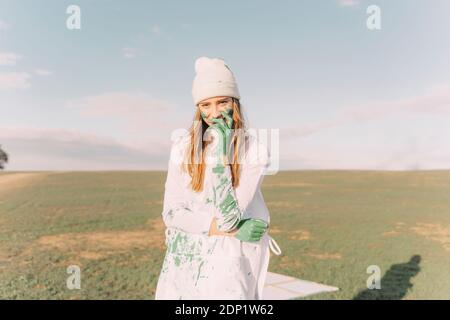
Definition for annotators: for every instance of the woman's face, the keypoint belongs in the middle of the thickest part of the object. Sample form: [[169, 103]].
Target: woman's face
[[211, 108]]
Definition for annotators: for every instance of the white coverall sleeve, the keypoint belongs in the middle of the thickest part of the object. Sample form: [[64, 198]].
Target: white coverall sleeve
[[177, 212], [228, 210]]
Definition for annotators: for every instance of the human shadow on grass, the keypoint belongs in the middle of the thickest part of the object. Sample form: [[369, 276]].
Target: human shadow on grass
[[395, 283]]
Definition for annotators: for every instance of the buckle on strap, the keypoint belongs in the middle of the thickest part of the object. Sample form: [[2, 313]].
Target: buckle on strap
[[272, 244]]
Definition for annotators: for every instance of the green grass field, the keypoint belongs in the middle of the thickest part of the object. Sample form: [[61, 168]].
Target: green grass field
[[331, 225]]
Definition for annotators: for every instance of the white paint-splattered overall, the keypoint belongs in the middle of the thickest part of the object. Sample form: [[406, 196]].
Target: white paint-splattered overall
[[198, 266]]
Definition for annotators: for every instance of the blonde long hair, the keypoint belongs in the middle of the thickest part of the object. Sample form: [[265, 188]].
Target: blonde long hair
[[196, 169]]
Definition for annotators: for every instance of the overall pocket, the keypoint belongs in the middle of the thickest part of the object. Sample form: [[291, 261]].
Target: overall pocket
[[229, 278]]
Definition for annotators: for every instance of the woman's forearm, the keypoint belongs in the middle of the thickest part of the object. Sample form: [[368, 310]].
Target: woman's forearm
[[227, 211], [213, 231]]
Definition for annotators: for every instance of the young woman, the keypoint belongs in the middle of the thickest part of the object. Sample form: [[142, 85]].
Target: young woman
[[216, 219]]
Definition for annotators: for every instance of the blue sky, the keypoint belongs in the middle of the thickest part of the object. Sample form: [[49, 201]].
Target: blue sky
[[109, 95]]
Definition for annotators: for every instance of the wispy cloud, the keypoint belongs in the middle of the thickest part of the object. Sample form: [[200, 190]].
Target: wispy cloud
[[43, 72], [348, 3], [156, 30], [412, 155], [411, 151], [435, 100], [134, 108], [9, 58], [34, 148], [3, 25], [186, 26], [140, 41], [14, 80], [143, 121], [59, 134], [129, 53]]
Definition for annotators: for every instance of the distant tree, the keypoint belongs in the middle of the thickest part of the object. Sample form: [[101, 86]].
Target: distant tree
[[3, 158]]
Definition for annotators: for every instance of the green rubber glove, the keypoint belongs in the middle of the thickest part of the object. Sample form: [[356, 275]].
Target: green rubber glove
[[225, 130], [251, 230], [227, 210]]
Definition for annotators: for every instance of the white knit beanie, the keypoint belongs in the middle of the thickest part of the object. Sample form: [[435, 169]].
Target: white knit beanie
[[213, 78]]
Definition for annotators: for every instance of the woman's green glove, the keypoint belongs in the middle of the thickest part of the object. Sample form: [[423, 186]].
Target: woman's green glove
[[225, 130], [251, 230]]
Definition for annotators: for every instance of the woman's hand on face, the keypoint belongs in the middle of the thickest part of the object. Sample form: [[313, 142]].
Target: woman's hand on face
[[251, 230], [225, 130], [213, 231]]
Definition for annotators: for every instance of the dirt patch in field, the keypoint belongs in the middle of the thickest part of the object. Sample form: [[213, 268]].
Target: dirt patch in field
[[396, 231], [290, 263], [300, 235], [293, 235], [324, 255], [435, 232], [14, 181], [432, 231], [98, 245], [391, 233], [288, 184], [374, 245], [4, 259], [274, 230], [153, 202], [284, 204]]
